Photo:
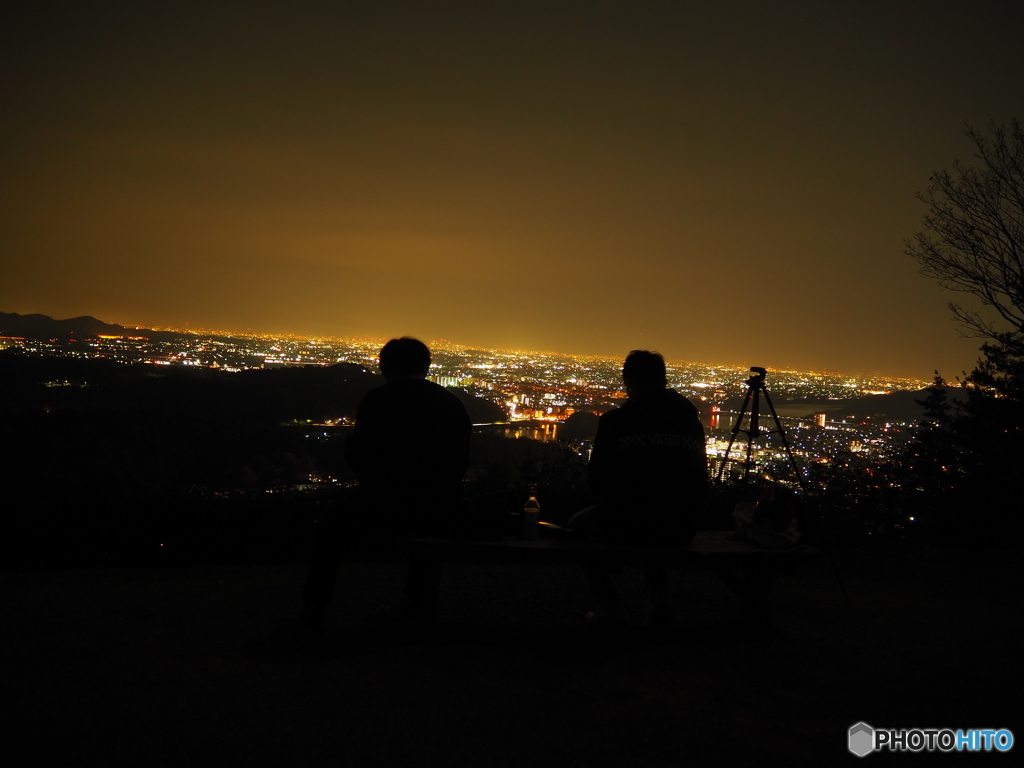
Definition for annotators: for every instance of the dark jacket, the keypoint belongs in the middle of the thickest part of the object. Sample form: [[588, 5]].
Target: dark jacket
[[649, 466], [410, 447]]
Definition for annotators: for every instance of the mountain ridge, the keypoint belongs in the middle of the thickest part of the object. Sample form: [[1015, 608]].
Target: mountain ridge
[[39, 327]]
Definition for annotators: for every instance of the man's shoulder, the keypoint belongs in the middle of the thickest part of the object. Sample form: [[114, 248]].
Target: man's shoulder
[[412, 391], [434, 390], [667, 401], [373, 397], [675, 400], [406, 388], [439, 399], [394, 393], [667, 412], [614, 418]]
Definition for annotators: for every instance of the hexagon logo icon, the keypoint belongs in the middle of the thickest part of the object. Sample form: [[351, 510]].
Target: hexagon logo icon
[[862, 739]]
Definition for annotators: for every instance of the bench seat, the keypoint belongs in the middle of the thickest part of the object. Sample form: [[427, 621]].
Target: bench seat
[[748, 570], [708, 548]]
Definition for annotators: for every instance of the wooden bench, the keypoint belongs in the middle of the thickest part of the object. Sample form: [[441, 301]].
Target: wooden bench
[[748, 570]]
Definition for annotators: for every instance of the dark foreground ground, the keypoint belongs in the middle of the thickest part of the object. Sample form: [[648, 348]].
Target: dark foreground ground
[[189, 666]]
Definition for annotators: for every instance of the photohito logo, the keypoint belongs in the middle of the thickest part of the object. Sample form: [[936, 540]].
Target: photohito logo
[[864, 739]]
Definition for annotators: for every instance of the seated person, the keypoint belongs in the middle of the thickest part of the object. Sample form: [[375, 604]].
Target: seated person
[[649, 471], [409, 449]]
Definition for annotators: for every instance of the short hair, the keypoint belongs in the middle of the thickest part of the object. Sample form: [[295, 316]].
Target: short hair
[[644, 369], [404, 357]]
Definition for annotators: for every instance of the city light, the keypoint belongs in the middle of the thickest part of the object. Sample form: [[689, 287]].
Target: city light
[[540, 390]]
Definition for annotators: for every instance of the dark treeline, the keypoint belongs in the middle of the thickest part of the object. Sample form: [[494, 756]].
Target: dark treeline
[[963, 470]]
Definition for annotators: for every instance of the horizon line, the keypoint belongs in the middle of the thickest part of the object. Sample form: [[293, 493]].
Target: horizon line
[[438, 342]]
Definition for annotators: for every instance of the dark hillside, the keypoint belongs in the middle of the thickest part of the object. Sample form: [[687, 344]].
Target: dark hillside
[[43, 327]]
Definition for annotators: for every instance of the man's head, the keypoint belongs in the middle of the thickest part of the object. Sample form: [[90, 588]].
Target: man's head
[[404, 358], [644, 370]]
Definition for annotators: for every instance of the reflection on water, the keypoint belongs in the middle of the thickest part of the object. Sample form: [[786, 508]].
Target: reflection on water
[[542, 431]]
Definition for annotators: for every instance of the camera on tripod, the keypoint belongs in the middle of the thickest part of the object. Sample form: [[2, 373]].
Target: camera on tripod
[[752, 408]]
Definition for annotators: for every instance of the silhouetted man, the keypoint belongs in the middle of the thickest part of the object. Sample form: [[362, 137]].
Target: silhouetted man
[[649, 471], [409, 449]]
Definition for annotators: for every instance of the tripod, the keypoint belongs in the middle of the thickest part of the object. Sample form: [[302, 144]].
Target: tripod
[[755, 388]]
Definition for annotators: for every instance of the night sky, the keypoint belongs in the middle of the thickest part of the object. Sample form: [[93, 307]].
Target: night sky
[[726, 182]]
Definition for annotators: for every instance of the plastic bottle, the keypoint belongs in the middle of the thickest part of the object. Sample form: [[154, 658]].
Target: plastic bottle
[[531, 519]]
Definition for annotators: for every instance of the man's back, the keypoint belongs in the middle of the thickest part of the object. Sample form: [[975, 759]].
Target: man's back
[[410, 445], [410, 449], [649, 466]]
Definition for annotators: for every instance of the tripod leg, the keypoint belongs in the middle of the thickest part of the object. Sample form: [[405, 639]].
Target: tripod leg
[[785, 443], [751, 392]]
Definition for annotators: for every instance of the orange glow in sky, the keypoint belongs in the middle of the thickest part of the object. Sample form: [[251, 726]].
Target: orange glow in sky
[[730, 182]]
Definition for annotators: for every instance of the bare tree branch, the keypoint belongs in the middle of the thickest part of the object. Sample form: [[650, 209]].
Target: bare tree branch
[[974, 230]]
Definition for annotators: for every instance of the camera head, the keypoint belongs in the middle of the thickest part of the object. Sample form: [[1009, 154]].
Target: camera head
[[757, 380]]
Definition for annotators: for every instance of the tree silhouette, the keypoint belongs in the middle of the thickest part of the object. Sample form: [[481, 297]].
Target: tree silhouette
[[964, 462], [974, 238]]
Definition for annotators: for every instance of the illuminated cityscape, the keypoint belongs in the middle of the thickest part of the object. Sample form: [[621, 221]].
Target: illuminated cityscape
[[539, 391]]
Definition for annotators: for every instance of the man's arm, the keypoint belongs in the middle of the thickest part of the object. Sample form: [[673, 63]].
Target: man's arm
[[602, 465], [359, 448], [460, 429]]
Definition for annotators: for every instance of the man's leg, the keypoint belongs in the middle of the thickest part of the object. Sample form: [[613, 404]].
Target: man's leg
[[658, 595], [598, 574], [318, 591], [423, 579]]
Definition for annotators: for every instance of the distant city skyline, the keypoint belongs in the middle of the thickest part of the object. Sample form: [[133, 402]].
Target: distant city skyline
[[725, 182], [376, 339], [528, 393], [434, 343], [54, 336]]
